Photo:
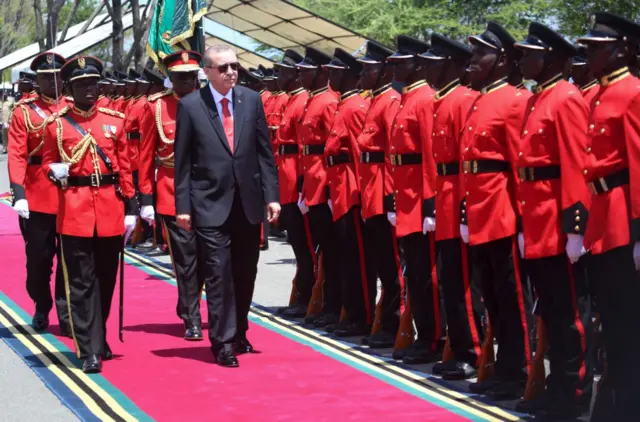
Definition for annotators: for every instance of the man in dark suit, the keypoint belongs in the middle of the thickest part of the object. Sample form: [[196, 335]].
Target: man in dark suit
[[225, 174]]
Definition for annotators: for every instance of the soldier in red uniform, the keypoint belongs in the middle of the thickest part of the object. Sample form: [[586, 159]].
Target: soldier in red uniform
[[582, 76], [120, 91], [289, 168], [374, 173], [35, 199], [340, 153], [554, 205], [312, 130], [265, 93], [86, 156], [158, 132], [490, 141], [448, 62], [26, 84], [412, 202], [612, 171]]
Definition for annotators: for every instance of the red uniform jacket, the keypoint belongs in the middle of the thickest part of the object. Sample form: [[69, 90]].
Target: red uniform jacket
[[450, 109], [85, 210], [375, 174], [103, 101], [26, 141], [341, 152], [159, 131], [410, 139], [264, 96], [552, 194], [287, 142], [590, 90], [117, 104], [491, 132], [613, 146], [132, 127], [312, 131], [274, 115]]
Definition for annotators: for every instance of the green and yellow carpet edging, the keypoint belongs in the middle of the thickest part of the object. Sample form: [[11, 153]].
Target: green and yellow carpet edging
[[413, 382]]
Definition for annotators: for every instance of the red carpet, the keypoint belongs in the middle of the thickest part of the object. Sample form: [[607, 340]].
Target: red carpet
[[172, 380]]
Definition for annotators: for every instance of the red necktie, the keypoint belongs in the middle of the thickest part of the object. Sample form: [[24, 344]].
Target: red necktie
[[227, 121]]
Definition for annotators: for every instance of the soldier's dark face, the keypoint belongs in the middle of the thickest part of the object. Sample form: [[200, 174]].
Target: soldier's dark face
[[532, 64], [482, 65], [121, 89], [131, 88], [369, 75], [434, 72], [335, 79], [85, 92], [307, 77], [50, 84], [184, 82], [403, 69], [272, 84], [142, 88], [286, 77], [581, 74], [602, 55]]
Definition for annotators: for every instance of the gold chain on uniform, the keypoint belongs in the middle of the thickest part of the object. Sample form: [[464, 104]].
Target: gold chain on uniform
[[79, 150], [166, 141], [33, 128]]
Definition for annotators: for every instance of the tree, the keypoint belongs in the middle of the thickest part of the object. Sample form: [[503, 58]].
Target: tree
[[573, 15], [141, 24], [16, 26]]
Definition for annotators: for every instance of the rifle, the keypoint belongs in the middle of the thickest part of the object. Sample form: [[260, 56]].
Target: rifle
[[121, 304]]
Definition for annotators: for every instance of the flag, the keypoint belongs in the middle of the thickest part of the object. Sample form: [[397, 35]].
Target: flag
[[176, 25]]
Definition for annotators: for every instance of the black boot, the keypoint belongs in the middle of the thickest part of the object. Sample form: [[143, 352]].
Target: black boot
[[92, 365], [40, 321]]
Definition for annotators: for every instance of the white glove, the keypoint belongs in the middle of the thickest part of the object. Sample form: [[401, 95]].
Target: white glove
[[148, 214], [302, 205], [575, 247], [464, 233], [22, 208], [521, 244], [391, 216], [129, 225], [330, 205], [60, 170], [636, 255], [428, 225]]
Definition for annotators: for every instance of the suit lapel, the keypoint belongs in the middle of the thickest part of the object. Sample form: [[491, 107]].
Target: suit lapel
[[209, 106], [238, 116]]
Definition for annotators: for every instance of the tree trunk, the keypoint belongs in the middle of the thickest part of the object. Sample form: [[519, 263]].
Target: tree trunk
[[67, 25], [53, 16], [118, 35], [141, 25], [37, 8]]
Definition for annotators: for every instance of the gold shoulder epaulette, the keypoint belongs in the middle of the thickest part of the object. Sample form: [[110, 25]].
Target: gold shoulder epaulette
[[154, 97], [64, 110], [26, 101], [111, 112], [68, 98]]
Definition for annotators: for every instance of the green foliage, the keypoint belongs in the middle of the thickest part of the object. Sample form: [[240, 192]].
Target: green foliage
[[84, 12], [573, 16]]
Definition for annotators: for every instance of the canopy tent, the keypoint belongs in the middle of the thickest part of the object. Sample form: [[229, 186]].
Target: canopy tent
[[282, 25]]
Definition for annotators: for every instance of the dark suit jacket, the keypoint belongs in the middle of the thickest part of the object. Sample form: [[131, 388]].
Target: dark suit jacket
[[208, 174]]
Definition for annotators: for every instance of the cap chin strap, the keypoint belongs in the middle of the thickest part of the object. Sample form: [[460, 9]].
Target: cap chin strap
[[442, 75]]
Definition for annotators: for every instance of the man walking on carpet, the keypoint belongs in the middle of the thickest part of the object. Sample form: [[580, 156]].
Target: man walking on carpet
[[225, 174]]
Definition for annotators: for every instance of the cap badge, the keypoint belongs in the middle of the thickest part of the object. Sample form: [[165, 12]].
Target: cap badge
[[50, 58], [82, 63], [185, 57], [592, 21]]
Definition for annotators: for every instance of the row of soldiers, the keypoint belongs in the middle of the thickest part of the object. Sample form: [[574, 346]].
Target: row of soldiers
[[482, 195]]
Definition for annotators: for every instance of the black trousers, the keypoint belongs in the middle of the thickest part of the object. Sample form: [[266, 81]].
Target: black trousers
[[564, 304], [617, 285], [41, 245], [507, 296], [323, 232], [228, 263], [462, 301], [357, 272], [383, 246], [293, 222], [183, 251], [91, 266], [266, 228], [424, 290]]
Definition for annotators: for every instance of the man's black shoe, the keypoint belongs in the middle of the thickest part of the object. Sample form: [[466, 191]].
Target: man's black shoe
[[351, 330], [107, 354], [65, 330], [92, 365], [40, 322], [226, 358], [193, 334], [295, 311], [440, 367], [243, 346], [382, 340], [461, 371], [326, 319], [507, 390]]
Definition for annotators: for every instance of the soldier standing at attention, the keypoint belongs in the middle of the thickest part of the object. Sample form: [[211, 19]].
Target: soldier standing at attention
[[158, 129], [489, 142], [554, 206], [612, 170], [582, 76], [35, 199], [374, 174], [86, 156], [452, 101]]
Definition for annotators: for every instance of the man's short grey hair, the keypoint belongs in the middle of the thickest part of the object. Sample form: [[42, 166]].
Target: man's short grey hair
[[214, 49]]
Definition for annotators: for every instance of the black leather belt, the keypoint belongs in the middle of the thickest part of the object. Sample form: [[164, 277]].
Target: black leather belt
[[133, 135], [607, 183], [34, 159], [313, 150], [532, 174], [405, 159], [94, 180], [288, 149], [334, 160], [372, 157], [448, 169], [484, 166]]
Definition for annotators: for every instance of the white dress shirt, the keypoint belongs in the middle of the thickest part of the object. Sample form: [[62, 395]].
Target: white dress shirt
[[217, 97]]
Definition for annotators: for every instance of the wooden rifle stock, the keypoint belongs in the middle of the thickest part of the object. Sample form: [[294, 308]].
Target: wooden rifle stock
[[487, 356], [536, 378], [316, 302]]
